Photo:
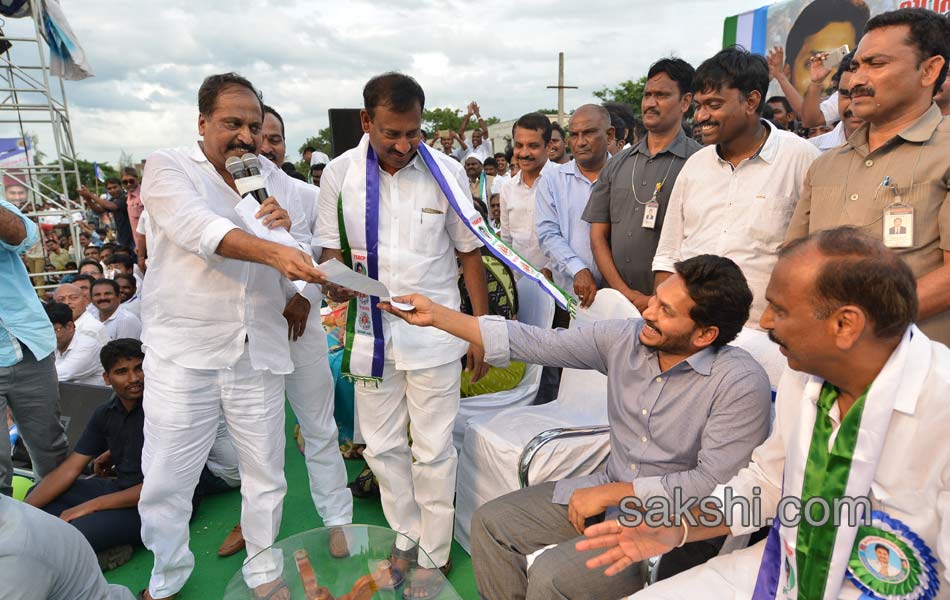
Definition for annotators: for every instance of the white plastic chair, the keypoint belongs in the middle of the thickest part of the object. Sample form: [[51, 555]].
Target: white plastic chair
[[535, 307], [493, 446]]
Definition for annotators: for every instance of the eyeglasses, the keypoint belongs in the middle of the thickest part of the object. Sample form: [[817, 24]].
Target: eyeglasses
[[128, 182]]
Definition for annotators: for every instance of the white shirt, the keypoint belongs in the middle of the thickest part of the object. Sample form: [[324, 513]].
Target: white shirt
[[498, 182], [416, 249], [302, 206], [912, 478], [832, 139], [134, 305], [90, 325], [198, 308], [829, 109], [483, 151], [80, 361], [740, 213], [123, 324], [518, 223]]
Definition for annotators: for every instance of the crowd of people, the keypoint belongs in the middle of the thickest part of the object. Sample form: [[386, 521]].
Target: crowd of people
[[824, 223]]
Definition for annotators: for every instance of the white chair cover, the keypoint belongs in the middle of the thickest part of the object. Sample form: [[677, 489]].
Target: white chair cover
[[535, 307], [488, 464]]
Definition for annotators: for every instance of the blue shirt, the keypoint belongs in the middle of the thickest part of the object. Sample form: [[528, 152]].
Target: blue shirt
[[563, 236], [21, 314]]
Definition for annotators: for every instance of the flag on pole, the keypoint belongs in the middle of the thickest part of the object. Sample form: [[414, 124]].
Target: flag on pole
[[98, 171], [747, 30]]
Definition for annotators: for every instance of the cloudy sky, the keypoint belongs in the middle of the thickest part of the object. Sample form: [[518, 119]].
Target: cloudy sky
[[150, 57]]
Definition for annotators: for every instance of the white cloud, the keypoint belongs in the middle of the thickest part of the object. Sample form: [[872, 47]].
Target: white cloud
[[307, 57]]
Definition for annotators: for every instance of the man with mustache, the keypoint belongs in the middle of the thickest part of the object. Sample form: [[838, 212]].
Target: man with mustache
[[622, 239], [531, 134], [216, 338], [119, 322], [561, 199], [865, 391], [383, 211], [898, 158], [310, 386], [735, 196], [685, 410], [848, 123]]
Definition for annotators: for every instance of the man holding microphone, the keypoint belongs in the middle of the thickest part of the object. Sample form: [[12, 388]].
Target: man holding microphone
[[215, 337]]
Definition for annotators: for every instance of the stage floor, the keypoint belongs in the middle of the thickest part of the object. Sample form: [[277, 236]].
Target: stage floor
[[218, 514]]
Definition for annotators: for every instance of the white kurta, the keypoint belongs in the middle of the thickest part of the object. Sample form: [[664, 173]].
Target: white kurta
[[911, 481]]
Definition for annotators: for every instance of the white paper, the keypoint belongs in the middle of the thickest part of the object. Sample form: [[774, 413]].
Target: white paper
[[343, 276], [246, 209]]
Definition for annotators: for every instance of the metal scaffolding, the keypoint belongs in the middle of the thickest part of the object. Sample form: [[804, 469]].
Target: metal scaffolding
[[28, 99]]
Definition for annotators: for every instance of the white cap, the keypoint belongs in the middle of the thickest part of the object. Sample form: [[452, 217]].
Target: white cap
[[319, 158]]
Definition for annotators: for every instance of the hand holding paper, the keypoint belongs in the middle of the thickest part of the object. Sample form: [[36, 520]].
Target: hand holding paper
[[345, 277]]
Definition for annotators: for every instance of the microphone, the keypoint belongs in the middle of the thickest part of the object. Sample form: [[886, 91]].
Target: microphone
[[235, 167], [256, 181]]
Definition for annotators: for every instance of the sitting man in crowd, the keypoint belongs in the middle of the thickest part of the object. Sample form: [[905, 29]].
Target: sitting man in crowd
[[128, 293], [866, 389], [78, 301], [103, 507], [119, 322], [91, 267], [77, 352], [685, 410]]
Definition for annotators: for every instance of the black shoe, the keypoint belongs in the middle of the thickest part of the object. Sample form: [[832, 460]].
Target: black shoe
[[112, 558]]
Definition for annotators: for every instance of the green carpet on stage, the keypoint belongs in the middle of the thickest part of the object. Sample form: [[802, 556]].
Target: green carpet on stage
[[218, 514]]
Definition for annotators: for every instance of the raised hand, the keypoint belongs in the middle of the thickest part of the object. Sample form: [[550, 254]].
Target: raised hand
[[776, 60]]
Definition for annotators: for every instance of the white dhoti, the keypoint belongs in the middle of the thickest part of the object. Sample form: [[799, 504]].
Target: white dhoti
[[417, 497], [182, 408], [310, 391]]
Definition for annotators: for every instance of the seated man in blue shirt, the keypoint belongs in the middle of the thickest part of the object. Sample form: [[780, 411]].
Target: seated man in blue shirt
[[685, 411]]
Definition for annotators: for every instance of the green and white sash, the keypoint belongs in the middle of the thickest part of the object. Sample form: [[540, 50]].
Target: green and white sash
[[812, 562]]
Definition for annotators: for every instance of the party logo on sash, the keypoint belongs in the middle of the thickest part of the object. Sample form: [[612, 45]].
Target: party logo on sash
[[891, 561]]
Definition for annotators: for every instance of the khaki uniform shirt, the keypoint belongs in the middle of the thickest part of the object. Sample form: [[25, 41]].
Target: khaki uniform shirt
[[843, 187]]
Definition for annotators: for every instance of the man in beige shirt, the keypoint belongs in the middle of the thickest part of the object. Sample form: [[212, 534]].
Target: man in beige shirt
[[899, 158]]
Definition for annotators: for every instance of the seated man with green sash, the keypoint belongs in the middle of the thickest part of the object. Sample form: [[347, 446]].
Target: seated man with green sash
[[856, 472]]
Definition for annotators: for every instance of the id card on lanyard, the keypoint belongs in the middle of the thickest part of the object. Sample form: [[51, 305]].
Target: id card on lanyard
[[898, 221]]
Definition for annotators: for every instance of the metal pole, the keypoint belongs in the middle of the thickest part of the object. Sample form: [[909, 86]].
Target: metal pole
[[560, 88]]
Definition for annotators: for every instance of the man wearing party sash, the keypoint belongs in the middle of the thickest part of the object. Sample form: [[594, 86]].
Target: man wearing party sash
[[861, 414], [383, 209]]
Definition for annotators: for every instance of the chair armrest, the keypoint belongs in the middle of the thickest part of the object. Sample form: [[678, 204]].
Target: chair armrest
[[538, 441]]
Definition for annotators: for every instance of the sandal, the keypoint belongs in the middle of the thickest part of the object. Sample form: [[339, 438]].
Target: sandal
[[400, 561], [365, 485], [425, 584], [338, 544], [271, 594]]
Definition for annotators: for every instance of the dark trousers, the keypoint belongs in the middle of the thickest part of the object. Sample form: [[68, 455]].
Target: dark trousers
[[551, 376], [31, 391], [508, 528], [103, 529]]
